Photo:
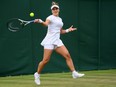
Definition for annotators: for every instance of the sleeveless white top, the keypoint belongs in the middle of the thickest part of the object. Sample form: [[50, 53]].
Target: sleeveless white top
[[53, 32]]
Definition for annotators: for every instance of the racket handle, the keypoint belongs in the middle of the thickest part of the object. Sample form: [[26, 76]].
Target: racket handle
[[31, 21]]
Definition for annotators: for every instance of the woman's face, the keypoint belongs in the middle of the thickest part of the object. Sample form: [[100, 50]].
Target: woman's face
[[55, 11]]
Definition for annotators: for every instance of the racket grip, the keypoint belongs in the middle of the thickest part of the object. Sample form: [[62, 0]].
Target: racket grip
[[31, 21]]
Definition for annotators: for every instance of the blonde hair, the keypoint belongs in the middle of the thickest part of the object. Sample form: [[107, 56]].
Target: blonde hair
[[54, 3]]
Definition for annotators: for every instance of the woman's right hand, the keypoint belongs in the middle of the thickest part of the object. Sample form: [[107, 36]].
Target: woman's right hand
[[42, 22], [36, 21]]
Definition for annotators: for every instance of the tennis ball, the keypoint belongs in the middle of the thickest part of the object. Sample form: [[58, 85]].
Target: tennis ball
[[32, 14]]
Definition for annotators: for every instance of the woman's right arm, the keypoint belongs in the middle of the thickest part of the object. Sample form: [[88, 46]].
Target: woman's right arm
[[42, 22]]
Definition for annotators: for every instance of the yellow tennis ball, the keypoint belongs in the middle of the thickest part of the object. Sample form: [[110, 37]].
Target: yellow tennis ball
[[32, 14]]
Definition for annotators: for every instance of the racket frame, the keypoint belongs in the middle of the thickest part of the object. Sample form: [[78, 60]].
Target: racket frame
[[22, 22]]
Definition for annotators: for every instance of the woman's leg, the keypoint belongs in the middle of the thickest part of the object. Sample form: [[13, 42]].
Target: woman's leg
[[64, 52], [46, 58]]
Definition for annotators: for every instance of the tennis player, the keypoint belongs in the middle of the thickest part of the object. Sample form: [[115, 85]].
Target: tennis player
[[52, 42]]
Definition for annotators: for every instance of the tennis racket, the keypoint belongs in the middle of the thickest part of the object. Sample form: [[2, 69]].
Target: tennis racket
[[16, 24]]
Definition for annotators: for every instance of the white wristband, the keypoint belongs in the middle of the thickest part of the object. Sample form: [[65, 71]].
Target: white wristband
[[67, 30], [40, 21]]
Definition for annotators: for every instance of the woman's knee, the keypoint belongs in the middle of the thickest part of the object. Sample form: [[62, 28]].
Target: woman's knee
[[45, 61], [67, 56]]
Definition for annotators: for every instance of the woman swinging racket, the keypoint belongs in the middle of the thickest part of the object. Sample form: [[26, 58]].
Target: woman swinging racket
[[52, 42]]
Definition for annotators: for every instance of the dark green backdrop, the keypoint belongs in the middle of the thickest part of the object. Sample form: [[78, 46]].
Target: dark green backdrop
[[91, 47]]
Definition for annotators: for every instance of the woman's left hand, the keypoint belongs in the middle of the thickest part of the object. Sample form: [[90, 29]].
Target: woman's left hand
[[71, 29]]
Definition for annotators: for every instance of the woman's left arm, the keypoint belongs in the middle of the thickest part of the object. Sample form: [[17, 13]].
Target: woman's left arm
[[62, 31]]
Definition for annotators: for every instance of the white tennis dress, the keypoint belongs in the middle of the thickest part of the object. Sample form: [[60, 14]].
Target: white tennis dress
[[53, 33]]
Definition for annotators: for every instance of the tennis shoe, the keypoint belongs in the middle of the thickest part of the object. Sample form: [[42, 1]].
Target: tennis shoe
[[37, 78], [76, 74]]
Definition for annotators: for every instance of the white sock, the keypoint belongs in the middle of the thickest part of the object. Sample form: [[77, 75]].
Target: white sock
[[37, 75], [74, 72]]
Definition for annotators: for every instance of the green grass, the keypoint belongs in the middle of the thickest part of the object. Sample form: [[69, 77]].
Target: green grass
[[101, 78]]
